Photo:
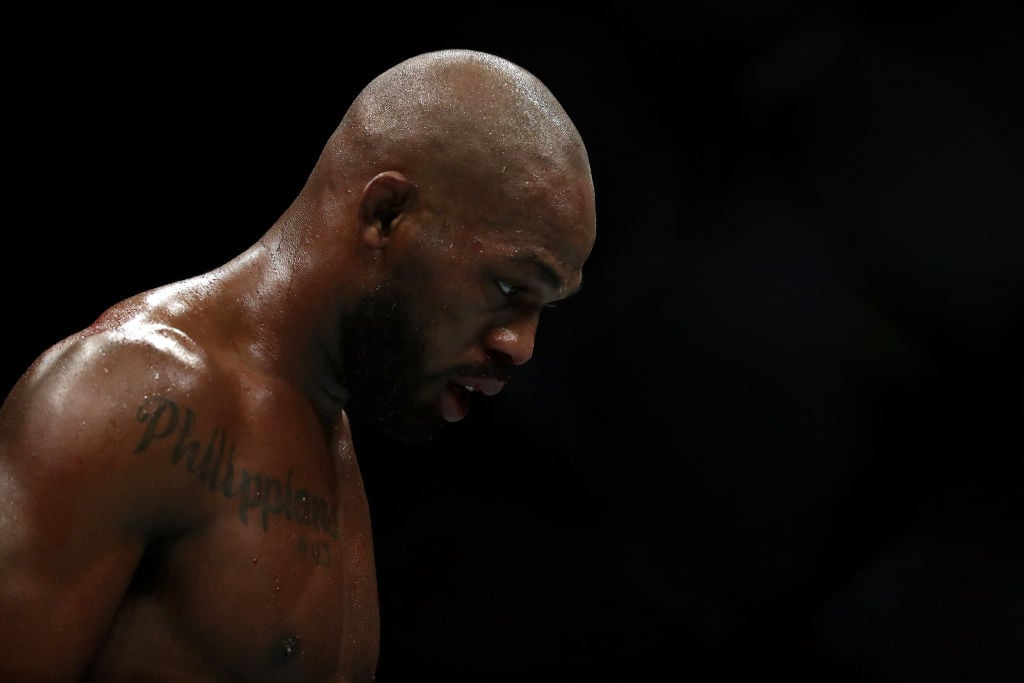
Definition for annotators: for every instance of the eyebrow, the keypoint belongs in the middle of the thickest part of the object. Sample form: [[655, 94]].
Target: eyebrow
[[546, 272]]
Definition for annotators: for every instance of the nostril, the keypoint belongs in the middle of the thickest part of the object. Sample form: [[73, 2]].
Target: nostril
[[500, 357]]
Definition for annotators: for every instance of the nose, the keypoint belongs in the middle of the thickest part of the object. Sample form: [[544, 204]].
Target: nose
[[512, 343]]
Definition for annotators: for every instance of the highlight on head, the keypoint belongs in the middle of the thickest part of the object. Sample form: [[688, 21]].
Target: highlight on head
[[443, 114]]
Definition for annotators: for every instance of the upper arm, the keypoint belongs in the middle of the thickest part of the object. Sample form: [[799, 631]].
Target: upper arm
[[78, 506]]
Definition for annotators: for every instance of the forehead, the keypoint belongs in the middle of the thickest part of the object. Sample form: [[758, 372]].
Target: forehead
[[537, 216], [551, 216]]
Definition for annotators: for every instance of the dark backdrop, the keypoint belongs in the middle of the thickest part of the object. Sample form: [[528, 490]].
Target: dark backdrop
[[779, 434]]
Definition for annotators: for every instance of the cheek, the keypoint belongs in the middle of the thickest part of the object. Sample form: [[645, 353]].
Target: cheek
[[446, 297], [451, 327], [454, 327]]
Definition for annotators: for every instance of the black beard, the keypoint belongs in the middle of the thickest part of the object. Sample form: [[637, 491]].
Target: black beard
[[383, 353]]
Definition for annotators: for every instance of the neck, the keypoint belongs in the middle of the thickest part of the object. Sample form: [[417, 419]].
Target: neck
[[286, 320]]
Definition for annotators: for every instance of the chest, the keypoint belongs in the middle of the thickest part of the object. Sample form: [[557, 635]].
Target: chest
[[291, 591], [278, 583]]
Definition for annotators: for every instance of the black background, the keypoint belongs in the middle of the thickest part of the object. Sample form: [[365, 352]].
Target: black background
[[779, 434]]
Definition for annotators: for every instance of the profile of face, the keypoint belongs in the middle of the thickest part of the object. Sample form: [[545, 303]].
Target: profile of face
[[451, 322], [475, 212]]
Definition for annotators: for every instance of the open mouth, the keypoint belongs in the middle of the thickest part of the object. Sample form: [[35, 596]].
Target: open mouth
[[455, 402], [456, 395]]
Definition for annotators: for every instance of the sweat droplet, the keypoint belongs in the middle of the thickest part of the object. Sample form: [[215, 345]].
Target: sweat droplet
[[287, 649]]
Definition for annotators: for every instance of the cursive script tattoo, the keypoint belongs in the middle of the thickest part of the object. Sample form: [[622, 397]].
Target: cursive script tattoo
[[212, 463]]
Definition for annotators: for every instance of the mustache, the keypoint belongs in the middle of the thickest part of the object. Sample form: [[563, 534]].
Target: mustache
[[495, 370]]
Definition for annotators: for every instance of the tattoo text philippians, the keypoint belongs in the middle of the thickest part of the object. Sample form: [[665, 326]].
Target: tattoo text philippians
[[212, 462]]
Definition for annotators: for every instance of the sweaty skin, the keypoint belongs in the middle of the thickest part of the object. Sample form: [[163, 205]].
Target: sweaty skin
[[179, 494]]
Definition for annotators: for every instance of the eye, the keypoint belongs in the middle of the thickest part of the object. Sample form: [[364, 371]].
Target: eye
[[507, 288]]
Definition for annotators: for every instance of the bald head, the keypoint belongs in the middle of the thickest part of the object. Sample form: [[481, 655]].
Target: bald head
[[455, 121], [456, 98]]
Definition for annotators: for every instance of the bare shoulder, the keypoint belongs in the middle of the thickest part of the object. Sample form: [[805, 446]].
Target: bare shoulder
[[82, 495], [83, 410], [89, 386]]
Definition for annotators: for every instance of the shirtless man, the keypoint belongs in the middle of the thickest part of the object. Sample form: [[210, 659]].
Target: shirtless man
[[180, 496]]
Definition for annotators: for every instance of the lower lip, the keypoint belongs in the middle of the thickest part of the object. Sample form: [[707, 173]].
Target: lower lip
[[454, 403]]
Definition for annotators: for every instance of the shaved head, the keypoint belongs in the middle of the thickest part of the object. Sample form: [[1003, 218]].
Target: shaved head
[[456, 121], [489, 103]]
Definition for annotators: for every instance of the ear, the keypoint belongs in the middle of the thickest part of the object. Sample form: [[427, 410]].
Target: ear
[[382, 201]]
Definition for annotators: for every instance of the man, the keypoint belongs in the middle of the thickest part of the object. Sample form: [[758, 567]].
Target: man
[[180, 494]]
